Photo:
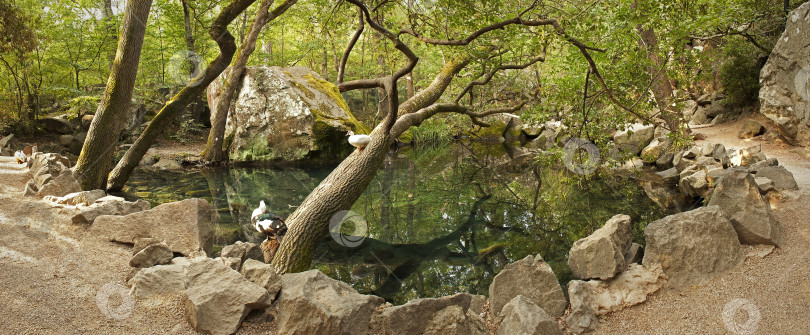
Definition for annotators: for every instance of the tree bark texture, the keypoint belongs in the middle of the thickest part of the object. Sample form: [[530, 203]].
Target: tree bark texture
[[227, 46], [96, 156]]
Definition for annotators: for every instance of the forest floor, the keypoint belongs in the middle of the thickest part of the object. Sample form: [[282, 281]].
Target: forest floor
[[52, 273]]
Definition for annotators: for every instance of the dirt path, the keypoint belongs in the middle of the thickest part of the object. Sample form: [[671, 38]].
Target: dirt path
[[52, 273], [777, 287]]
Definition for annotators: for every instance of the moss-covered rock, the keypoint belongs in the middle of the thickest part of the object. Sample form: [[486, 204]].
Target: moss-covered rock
[[288, 114]]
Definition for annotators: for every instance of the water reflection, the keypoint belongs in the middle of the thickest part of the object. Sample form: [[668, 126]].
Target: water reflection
[[441, 220]]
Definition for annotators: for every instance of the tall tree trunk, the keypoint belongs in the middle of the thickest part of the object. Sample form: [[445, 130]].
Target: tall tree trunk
[[214, 152], [219, 33], [106, 16], [97, 152], [197, 105], [662, 89]]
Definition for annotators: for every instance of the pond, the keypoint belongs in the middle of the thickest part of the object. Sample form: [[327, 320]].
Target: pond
[[440, 220]]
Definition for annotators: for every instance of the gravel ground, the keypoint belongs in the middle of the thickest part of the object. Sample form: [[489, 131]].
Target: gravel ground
[[52, 274], [775, 288]]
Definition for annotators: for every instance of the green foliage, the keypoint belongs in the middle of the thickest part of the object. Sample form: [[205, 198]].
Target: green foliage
[[739, 73], [83, 105], [433, 131], [187, 131]]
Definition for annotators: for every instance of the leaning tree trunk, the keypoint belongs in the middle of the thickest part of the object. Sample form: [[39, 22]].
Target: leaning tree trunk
[[214, 152], [227, 46], [310, 221], [96, 157]]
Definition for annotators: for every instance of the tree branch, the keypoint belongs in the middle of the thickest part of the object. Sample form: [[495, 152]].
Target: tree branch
[[342, 67], [389, 83], [416, 118], [492, 72]]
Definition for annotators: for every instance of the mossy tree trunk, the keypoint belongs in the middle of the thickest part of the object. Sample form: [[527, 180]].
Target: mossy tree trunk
[[227, 47], [96, 157], [214, 152]]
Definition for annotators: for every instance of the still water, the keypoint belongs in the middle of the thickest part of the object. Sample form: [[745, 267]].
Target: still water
[[440, 220]]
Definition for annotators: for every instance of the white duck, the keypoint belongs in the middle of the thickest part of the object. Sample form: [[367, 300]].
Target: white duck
[[360, 141], [20, 157]]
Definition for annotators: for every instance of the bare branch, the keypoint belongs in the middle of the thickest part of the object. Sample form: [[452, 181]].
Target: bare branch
[[492, 72], [389, 83], [500, 25], [352, 42]]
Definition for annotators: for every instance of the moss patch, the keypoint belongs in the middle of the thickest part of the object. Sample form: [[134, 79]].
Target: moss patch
[[406, 137], [303, 89], [257, 150], [329, 89], [496, 129]]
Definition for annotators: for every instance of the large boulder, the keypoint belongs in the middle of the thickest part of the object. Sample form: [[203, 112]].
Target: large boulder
[[159, 280], [738, 196], [262, 274], [532, 278], [665, 196], [409, 319], [629, 288], [692, 246], [782, 178], [453, 320], [287, 114], [51, 176], [58, 124], [653, 151], [61, 185], [523, 316], [784, 95], [312, 303], [634, 138], [109, 205], [751, 129], [77, 198], [219, 298], [601, 254], [243, 251], [581, 318], [185, 226], [155, 254]]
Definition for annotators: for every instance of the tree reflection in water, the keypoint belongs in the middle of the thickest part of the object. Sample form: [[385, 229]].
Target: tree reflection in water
[[442, 220]]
